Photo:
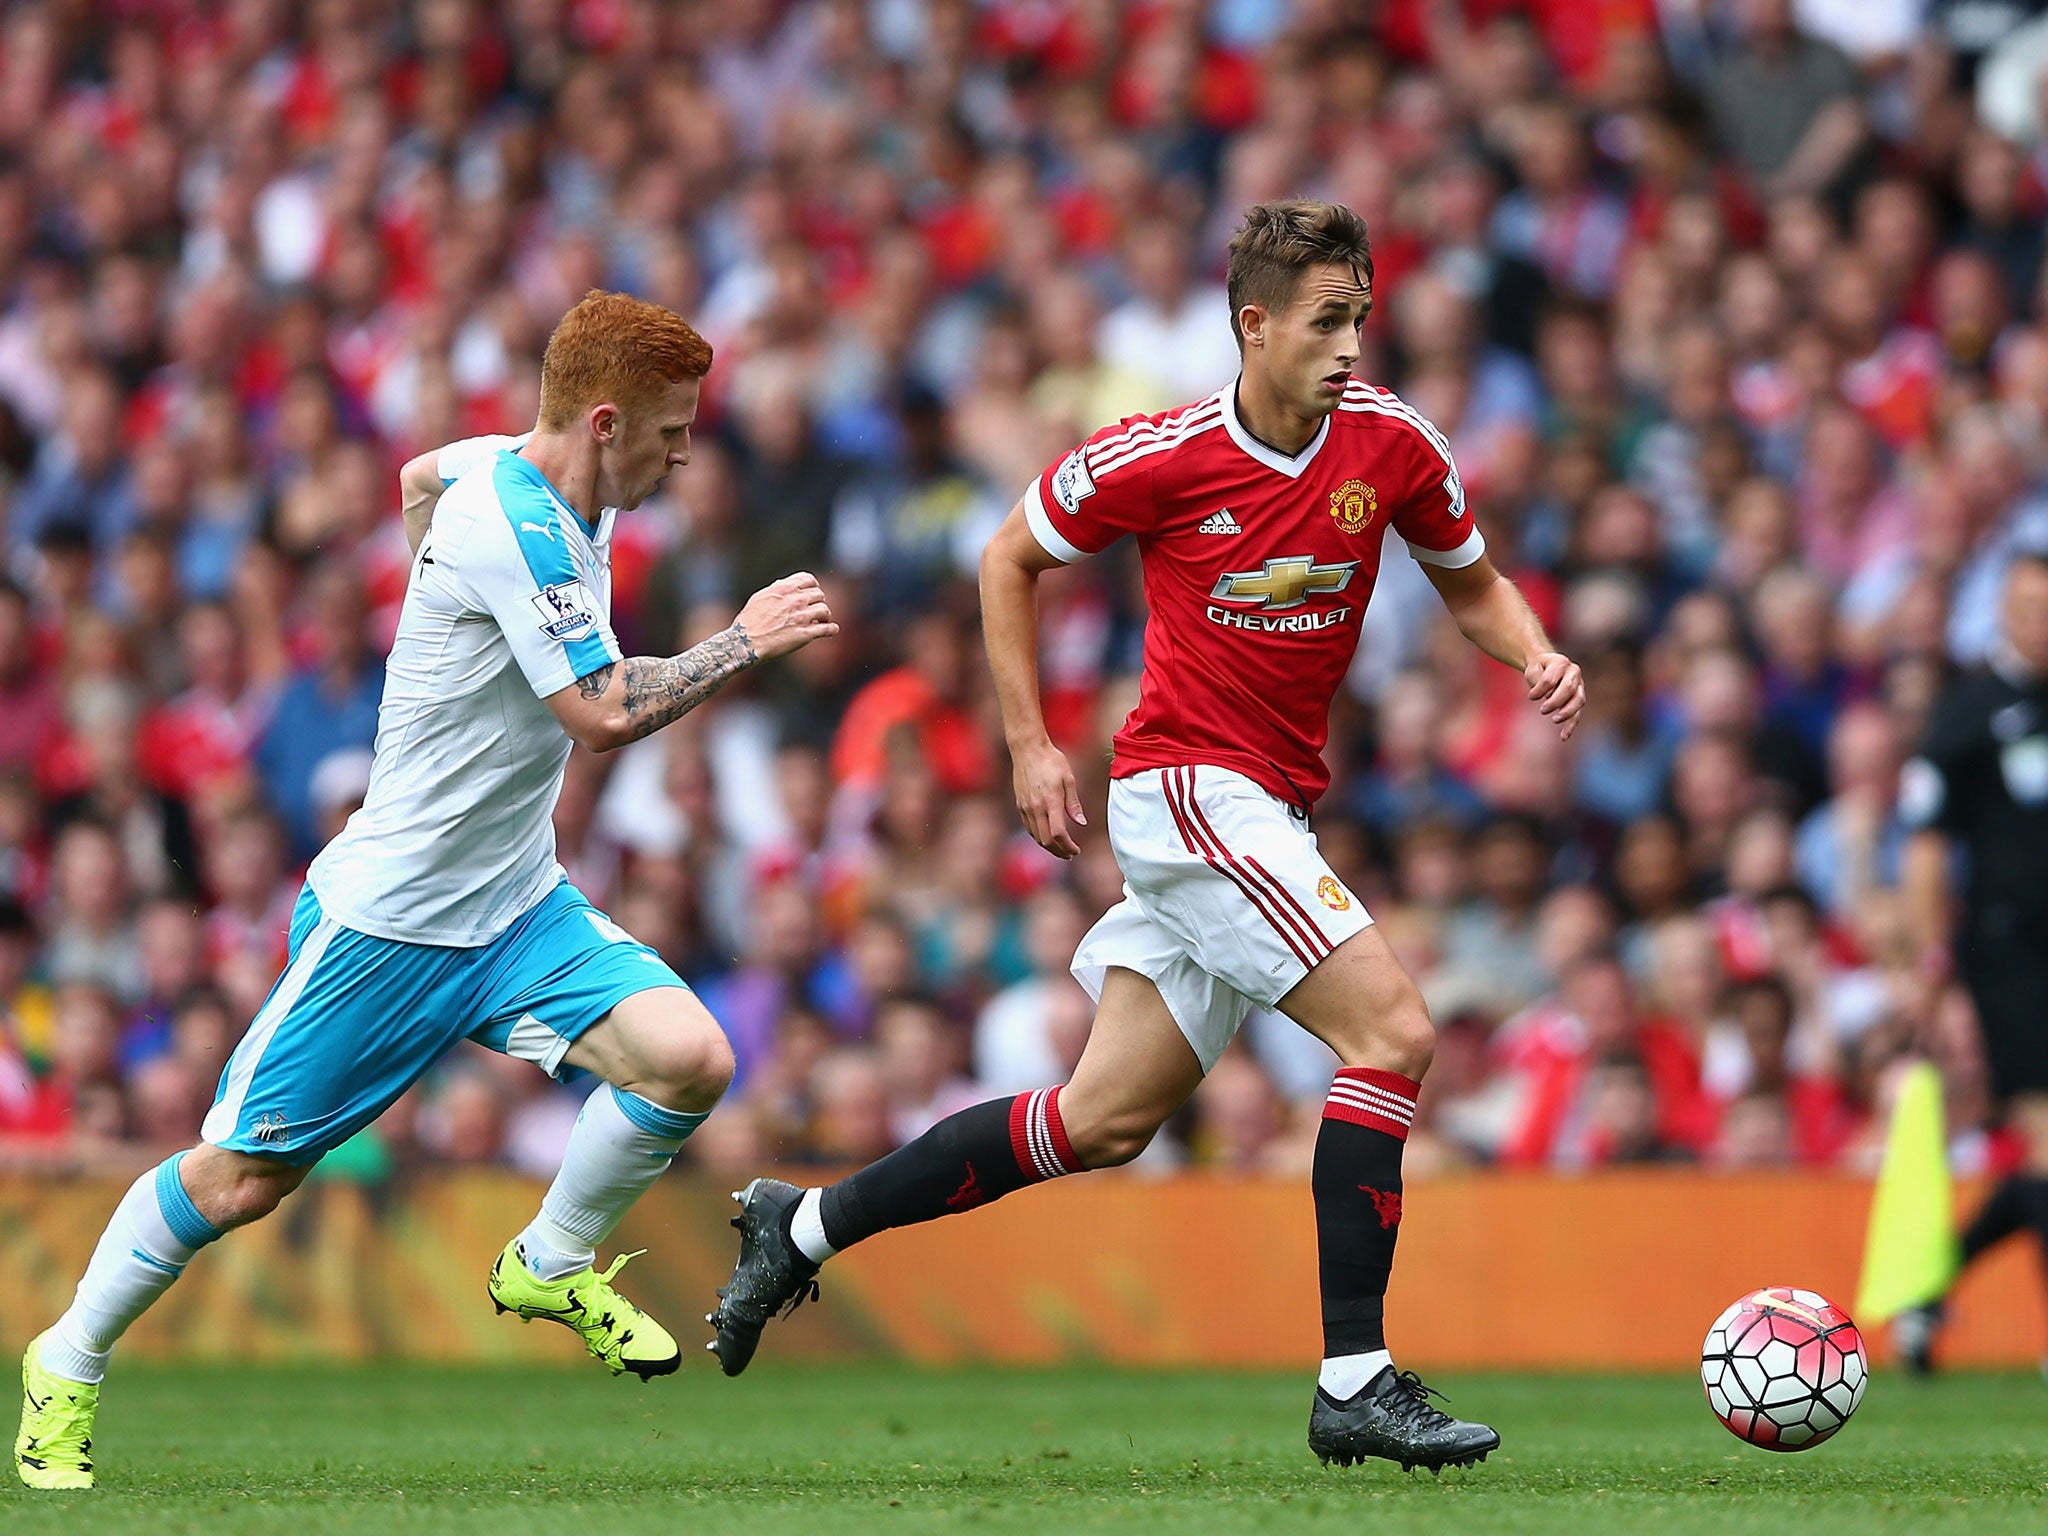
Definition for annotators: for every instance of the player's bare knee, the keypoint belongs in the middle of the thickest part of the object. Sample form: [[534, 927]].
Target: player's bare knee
[[1411, 1040], [242, 1189], [254, 1196], [1397, 1038], [689, 1069]]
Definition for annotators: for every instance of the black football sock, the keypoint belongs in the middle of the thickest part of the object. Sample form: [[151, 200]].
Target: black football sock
[[2003, 1213], [967, 1159], [1357, 1182]]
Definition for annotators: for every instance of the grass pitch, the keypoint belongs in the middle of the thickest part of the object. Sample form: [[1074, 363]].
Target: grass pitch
[[857, 1449]]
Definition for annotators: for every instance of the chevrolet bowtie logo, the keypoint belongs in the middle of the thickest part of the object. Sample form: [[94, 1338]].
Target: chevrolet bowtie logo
[[1283, 583]]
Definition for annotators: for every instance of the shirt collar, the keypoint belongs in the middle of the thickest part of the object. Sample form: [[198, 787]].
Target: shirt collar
[[606, 516], [1291, 466]]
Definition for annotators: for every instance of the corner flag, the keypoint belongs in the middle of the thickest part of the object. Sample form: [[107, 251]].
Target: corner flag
[[1909, 1255]]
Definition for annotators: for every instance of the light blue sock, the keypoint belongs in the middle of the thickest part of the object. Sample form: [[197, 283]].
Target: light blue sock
[[622, 1143]]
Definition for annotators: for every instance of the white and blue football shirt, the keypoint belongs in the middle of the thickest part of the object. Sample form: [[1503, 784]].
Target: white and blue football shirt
[[510, 601]]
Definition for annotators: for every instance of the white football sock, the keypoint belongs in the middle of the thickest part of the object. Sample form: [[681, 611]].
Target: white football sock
[[622, 1143], [154, 1232], [807, 1227], [1343, 1376]]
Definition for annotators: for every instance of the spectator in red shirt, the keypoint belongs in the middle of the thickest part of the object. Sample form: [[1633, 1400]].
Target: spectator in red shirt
[[28, 693], [1554, 1051], [927, 694], [1819, 1121], [203, 738]]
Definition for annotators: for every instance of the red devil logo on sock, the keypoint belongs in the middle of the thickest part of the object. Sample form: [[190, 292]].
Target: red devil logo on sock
[[968, 1195], [1386, 1205]]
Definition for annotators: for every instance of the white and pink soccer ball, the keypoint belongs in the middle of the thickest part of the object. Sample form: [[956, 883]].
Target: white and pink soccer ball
[[1784, 1368]]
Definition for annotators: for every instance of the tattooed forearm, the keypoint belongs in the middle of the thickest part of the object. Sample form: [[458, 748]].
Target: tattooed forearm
[[661, 690], [593, 685]]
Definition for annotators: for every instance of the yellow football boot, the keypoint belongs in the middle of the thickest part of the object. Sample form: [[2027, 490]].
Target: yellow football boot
[[54, 1448], [613, 1329]]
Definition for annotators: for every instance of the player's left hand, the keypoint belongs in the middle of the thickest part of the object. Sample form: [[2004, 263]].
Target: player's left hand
[[787, 615], [1557, 689]]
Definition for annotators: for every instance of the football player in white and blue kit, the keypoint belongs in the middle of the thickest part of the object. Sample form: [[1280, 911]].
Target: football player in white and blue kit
[[441, 913]]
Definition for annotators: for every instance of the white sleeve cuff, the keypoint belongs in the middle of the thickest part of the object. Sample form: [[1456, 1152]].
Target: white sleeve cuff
[[1452, 559], [1049, 537]]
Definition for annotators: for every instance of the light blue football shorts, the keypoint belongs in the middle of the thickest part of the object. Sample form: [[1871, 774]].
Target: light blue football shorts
[[355, 1020]]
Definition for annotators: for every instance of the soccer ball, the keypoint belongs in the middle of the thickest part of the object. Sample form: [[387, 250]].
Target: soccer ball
[[1783, 1368]]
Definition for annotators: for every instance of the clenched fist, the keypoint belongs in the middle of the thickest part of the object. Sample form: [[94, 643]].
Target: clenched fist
[[786, 616]]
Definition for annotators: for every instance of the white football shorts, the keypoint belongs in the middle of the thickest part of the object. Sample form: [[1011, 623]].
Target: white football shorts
[[1227, 901]]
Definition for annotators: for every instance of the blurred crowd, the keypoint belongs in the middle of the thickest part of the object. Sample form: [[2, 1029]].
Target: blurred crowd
[[1731, 309]]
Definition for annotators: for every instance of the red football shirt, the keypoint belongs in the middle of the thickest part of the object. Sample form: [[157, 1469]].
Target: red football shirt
[[1257, 566]]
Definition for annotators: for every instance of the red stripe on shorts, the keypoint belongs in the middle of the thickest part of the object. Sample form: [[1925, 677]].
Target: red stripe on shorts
[[1250, 869], [1197, 844], [1282, 893]]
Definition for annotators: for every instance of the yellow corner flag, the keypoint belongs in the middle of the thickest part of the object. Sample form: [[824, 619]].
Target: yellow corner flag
[[1909, 1255]]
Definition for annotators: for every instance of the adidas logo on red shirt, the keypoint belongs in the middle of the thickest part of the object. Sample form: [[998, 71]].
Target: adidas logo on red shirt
[[1220, 522]]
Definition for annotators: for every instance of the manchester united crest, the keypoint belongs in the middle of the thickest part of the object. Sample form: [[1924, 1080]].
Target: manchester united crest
[[1333, 895], [1353, 504]]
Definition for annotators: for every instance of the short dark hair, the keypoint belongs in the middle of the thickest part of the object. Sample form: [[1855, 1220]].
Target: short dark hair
[[1281, 240], [1769, 985]]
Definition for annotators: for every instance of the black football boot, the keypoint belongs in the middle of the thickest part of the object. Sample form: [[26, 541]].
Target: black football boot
[[772, 1274], [1392, 1417]]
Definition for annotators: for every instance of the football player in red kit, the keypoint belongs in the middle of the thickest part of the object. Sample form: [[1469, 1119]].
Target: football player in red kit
[[1259, 514]]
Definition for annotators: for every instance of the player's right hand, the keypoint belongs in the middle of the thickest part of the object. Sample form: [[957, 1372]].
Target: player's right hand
[[1048, 798], [787, 615]]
